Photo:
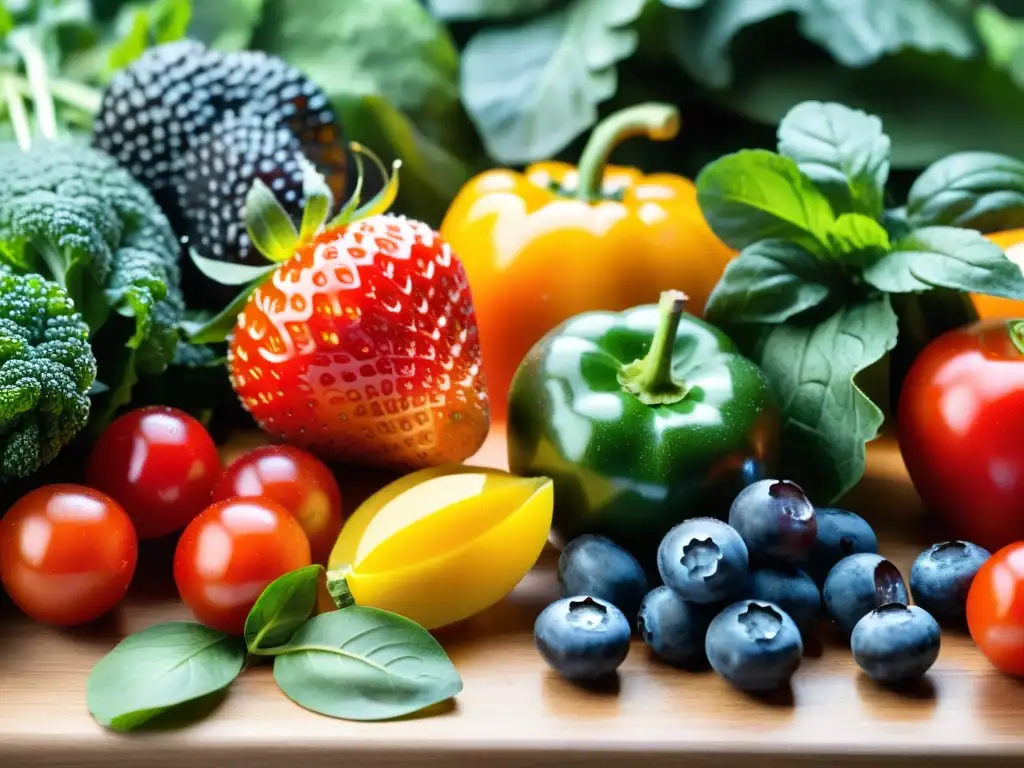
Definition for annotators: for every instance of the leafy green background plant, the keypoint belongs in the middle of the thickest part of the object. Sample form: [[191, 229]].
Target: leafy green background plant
[[434, 82], [828, 282]]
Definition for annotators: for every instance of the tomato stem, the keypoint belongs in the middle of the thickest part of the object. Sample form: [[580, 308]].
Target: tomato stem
[[650, 378], [659, 122], [1016, 330]]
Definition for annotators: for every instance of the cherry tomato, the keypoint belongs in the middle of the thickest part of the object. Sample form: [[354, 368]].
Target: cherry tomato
[[961, 421], [296, 480], [67, 554], [995, 609], [160, 464], [228, 555]]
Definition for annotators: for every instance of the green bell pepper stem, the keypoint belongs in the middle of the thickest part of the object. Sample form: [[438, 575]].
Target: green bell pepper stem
[[650, 378], [659, 122]]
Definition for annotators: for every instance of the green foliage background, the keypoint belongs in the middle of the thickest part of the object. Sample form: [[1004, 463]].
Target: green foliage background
[[454, 86]]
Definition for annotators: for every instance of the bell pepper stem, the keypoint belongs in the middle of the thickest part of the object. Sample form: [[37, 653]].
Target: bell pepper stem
[[650, 378], [1016, 330], [659, 122]]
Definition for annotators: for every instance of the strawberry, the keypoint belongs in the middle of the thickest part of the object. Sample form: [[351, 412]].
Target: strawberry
[[359, 341]]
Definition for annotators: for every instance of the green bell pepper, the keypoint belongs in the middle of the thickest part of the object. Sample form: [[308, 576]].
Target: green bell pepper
[[643, 419]]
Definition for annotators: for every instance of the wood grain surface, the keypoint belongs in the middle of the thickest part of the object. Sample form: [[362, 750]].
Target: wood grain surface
[[513, 710]]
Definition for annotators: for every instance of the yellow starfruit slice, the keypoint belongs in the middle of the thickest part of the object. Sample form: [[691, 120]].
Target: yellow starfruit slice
[[442, 544]]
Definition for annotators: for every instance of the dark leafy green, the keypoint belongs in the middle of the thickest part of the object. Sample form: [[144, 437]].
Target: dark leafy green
[[770, 282], [284, 606], [979, 190], [365, 664], [160, 668]]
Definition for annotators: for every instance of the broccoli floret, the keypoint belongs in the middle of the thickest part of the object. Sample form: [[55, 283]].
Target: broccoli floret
[[46, 370], [73, 214]]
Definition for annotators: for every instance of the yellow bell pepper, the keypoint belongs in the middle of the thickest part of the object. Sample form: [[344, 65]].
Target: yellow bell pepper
[[542, 246], [442, 544], [1012, 243]]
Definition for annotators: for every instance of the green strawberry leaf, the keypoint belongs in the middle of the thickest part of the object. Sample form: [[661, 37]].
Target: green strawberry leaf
[[843, 151], [946, 257], [976, 190], [769, 282]]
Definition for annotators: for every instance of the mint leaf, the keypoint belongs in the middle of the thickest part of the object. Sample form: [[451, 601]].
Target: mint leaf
[[827, 419], [946, 257], [842, 150], [363, 663], [159, 668], [976, 190], [534, 87], [282, 608], [769, 282], [857, 239], [701, 40], [757, 195], [859, 32]]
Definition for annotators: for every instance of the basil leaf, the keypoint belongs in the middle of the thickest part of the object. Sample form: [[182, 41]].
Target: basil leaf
[[946, 257], [282, 608], [365, 664], [826, 417], [159, 668], [768, 282], [532, 104], [842, 150], [857, 239], [976, 190], [757, 195]]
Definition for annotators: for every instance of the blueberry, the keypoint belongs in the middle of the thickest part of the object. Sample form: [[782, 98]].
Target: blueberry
[[703, 560], [582, 638], [775, 519], [942, 575], [860, 583], [789, 588], [754, 645], [896, 643], [840, 534], [674, 628], [596, 566]]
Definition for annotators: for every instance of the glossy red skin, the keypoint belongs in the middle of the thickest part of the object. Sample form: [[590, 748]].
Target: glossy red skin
[[995, 609], [364, 347], [961, 432], [295, 479], [67, 554], [229, 554], [160, 464]]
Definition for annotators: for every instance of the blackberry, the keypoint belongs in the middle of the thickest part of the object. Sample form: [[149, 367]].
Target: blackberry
[[197, 126]]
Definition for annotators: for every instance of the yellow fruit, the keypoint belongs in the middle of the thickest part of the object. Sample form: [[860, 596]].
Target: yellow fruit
[[444, 543]]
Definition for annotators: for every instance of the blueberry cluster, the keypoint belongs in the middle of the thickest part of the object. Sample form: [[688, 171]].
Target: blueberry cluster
[[742, 596]]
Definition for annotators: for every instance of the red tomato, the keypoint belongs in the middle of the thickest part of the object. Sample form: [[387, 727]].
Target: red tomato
[[296, 480], [995, 609], [160, 464], [229, 554], [961, 422], [67, 554]]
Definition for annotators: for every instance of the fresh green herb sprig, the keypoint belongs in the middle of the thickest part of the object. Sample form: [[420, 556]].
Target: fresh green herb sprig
[[355, 663], [828, 280]]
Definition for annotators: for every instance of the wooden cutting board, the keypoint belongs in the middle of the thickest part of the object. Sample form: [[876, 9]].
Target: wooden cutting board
[[513, 711]]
